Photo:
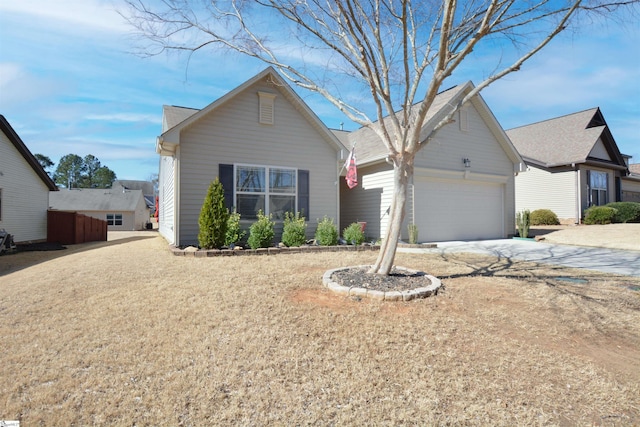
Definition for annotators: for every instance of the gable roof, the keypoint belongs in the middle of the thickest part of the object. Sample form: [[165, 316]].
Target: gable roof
[[369, 148], [28, 156], [90, 199], [173, 115], [566, 140], [170, 138]]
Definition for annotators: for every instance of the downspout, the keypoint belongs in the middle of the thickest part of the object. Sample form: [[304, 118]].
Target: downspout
[[176, 198], [578, 195], [340, 159]]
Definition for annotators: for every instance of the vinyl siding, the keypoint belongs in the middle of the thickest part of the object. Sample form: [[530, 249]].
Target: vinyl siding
[[232, 134], [441, 158], [166, 199], [540, 189], [630, 190], [128, 219], [25, 197], [479, 144], [369, 201]]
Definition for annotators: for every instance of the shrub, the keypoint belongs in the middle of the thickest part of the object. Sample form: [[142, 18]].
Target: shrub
[[544, 217], [213, 218], [326, 233], [599, 215], [353, 234], [294, 232], [627, 211], [523, 221], [234, 233], [261, 232], [413, 233]]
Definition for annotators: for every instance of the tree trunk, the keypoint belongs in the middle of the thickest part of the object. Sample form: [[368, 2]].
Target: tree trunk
[[402, 171]]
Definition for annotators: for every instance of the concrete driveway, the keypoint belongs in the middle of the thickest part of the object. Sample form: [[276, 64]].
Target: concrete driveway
[[600, 259]]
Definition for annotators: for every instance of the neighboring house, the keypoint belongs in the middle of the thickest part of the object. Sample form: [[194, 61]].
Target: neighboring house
[[463, 183], [124, 210], [631, 184], [269, 150], [145, 186], [573, 163], [24, 189]]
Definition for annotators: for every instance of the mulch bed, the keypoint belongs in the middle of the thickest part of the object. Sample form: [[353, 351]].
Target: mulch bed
[[397, 280]]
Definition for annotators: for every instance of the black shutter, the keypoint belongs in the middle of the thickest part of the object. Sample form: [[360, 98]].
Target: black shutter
[[303, 193], [226, 179]]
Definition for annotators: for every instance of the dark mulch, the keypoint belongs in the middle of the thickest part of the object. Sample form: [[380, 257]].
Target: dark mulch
[[37, 247], [397, 280]]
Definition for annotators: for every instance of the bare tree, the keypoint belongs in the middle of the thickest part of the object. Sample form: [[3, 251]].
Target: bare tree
[[399, 51]]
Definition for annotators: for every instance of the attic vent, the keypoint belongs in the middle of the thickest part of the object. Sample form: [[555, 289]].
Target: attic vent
[[267, 109], [464, 119]]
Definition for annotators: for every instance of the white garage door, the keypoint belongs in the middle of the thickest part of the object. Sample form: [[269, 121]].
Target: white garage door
[[458, 210]]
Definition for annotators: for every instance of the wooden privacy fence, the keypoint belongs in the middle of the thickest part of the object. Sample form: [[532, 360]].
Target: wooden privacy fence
[[70, 228]]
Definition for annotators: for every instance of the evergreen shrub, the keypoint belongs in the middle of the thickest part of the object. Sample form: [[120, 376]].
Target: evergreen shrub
[[294, 232], [544, 217], [599, 215], [326, 232], [234, 233], [353, 234], [627, 211], [261, 232], [213, 218]]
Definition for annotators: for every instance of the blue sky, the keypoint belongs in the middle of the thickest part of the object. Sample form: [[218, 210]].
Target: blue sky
[[69, 84]]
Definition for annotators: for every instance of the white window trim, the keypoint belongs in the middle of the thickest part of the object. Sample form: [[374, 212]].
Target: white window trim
[[115, 215], [266, 193]]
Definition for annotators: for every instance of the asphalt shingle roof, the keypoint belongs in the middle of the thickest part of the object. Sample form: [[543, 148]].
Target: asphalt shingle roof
[[368, 145], [85, 199], [559, 141], [174, 115]]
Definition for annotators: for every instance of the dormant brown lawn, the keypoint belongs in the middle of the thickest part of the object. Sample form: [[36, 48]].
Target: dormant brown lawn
[[123, 333]]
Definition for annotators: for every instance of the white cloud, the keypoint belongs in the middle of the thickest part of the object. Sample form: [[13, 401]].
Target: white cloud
[[125, 117], [97, 14]]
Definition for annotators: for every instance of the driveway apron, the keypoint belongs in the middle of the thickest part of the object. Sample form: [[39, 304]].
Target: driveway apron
[[600, 259]]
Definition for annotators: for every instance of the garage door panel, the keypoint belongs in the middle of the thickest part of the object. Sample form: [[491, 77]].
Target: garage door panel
[[458, 210]]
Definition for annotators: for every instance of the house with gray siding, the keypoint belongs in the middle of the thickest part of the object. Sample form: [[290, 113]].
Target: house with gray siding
[[24, 189], [124, 210], [269, 150], [573, 162], [463, 183]]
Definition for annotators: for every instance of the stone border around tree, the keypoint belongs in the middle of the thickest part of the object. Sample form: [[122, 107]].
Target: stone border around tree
[[407, 295]]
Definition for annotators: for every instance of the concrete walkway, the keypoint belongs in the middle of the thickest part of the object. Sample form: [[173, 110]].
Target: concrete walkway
[[600, 259]]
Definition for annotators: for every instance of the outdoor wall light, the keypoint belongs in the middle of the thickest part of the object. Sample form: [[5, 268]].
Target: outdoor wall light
[[467, 162]]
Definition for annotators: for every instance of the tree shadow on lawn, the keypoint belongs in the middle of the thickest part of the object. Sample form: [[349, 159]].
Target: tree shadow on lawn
[[581, 312], [10, 263]]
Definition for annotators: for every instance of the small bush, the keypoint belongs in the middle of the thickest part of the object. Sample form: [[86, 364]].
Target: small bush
[[413, 233], [294, 232], [234, 233], [353, 234], [326, 233], [544, 217], [213, 218], [261, 232], [599, 215], [523, 222], [627, 211]]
